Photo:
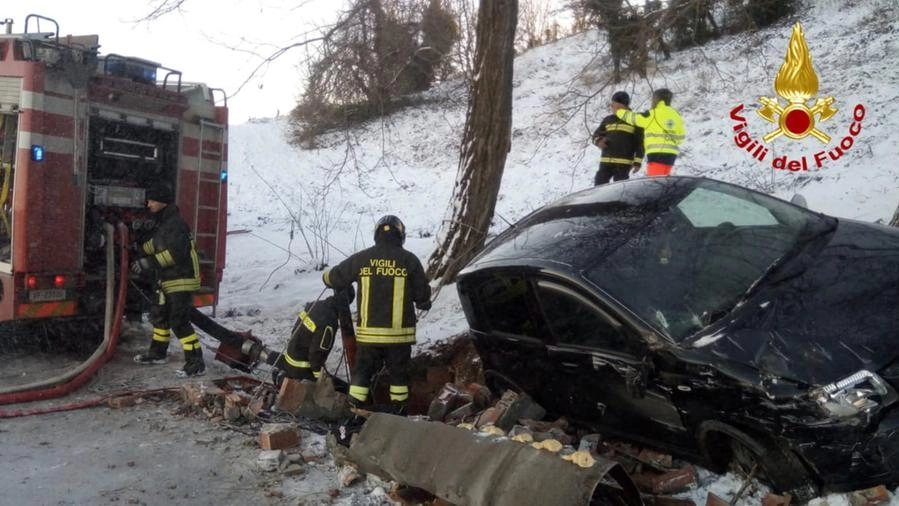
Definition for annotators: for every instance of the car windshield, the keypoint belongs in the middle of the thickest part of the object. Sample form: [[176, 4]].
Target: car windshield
[[694, 261], [585, 225]]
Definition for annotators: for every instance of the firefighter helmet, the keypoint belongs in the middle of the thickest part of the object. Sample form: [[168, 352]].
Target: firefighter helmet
[[389, 226]]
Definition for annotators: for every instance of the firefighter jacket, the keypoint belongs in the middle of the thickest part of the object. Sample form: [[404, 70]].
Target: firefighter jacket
[[663, 128], [389, 280], [173, 252], [313, 333], [624, 142]]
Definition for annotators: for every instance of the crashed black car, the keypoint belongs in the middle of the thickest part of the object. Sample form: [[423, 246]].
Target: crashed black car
[[720, 324]]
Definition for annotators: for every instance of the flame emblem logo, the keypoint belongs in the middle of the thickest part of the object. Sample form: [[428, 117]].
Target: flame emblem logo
[[797, 83]]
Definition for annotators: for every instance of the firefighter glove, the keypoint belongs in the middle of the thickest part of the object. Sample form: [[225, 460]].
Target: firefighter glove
[[424, 305], [141, 265]]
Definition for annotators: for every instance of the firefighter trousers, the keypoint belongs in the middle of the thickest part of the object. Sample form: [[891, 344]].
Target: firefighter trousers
[[369, 359]]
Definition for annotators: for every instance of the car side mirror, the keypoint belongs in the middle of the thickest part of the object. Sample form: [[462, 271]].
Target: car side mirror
[[799, 200]]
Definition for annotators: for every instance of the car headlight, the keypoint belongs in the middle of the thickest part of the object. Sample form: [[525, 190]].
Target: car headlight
[[860, 393]]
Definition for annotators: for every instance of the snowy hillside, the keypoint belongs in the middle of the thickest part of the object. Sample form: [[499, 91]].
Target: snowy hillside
[[406, 164]]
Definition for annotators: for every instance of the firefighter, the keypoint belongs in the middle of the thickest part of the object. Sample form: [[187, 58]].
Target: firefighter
[[621, 144], [313, 335], [663, 131], [170, 254], [389, 281]]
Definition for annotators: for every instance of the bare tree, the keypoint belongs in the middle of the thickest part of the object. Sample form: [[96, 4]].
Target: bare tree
[[466, 14], [486, 141], [535, 24]]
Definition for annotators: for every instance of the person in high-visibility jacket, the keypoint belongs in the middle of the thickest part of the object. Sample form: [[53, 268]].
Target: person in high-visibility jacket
[[391, 284], [663, 131], [313, 335]]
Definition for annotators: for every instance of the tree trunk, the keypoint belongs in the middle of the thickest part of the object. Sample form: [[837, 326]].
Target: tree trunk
[[485, 142]]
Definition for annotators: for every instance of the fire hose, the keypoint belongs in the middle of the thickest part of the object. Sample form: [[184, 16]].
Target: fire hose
[[239, 350], [65, 383]]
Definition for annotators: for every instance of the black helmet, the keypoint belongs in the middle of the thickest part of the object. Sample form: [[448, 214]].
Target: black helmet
[[160, 192], [389, 226], [621, 97]]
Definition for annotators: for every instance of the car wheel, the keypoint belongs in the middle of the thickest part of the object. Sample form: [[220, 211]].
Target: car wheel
[[727, 448]]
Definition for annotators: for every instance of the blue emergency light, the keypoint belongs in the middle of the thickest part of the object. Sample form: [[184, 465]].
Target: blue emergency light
[[37, 152], [224, 175]]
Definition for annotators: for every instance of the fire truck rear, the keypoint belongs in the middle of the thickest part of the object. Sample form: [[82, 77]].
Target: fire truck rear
[[82, 136]]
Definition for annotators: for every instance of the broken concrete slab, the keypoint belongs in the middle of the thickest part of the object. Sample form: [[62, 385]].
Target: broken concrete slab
[[465, 468], [269, 460]]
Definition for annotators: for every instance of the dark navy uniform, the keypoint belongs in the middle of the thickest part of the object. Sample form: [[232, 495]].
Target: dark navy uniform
[[391, 284], [313, 334]]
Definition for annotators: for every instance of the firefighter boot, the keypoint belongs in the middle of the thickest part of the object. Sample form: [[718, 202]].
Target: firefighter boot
[[193, 364], [399, 408], [157, 354]]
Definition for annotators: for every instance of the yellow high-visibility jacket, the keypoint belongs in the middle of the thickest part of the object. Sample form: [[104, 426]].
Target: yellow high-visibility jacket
[[663, 128]]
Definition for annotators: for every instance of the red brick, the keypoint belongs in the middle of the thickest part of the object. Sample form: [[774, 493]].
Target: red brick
[[234, 399], [293, 394], [658, 459], [277, 436], [673, 481], [777, 500], [200, 393], [870, 496], [488, 417]]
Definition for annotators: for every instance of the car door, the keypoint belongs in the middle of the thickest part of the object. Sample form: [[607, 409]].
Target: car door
[[602, 365], [508, 331]]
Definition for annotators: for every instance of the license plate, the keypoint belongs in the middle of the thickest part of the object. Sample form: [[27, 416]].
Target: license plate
[[46, 295]]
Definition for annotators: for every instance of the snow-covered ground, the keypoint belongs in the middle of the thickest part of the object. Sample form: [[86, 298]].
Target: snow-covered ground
[[406, 164]]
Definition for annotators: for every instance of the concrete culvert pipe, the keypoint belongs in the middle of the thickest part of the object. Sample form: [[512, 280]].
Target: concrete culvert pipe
[[470, 469]]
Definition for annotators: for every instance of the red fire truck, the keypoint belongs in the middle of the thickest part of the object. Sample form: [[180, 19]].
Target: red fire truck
[[82, 135]]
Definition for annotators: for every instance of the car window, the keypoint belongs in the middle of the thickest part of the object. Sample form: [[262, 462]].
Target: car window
[[503, 301], [707, 208], [693, 262], [574, 320]]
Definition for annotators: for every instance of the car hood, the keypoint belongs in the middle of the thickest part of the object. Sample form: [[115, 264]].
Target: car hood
[[840, 314]]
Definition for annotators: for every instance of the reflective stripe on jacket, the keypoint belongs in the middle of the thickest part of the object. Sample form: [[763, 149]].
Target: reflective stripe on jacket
[[174, 251], [624, 142], [663, 128], [389, 280]]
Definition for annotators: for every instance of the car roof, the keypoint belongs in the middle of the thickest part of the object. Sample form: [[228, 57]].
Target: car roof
[[573, 232]]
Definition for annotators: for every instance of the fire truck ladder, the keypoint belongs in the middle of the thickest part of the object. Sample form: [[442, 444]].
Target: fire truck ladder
[[209, 154]]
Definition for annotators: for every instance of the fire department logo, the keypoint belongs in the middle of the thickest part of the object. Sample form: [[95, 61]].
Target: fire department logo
[[797, 83]]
